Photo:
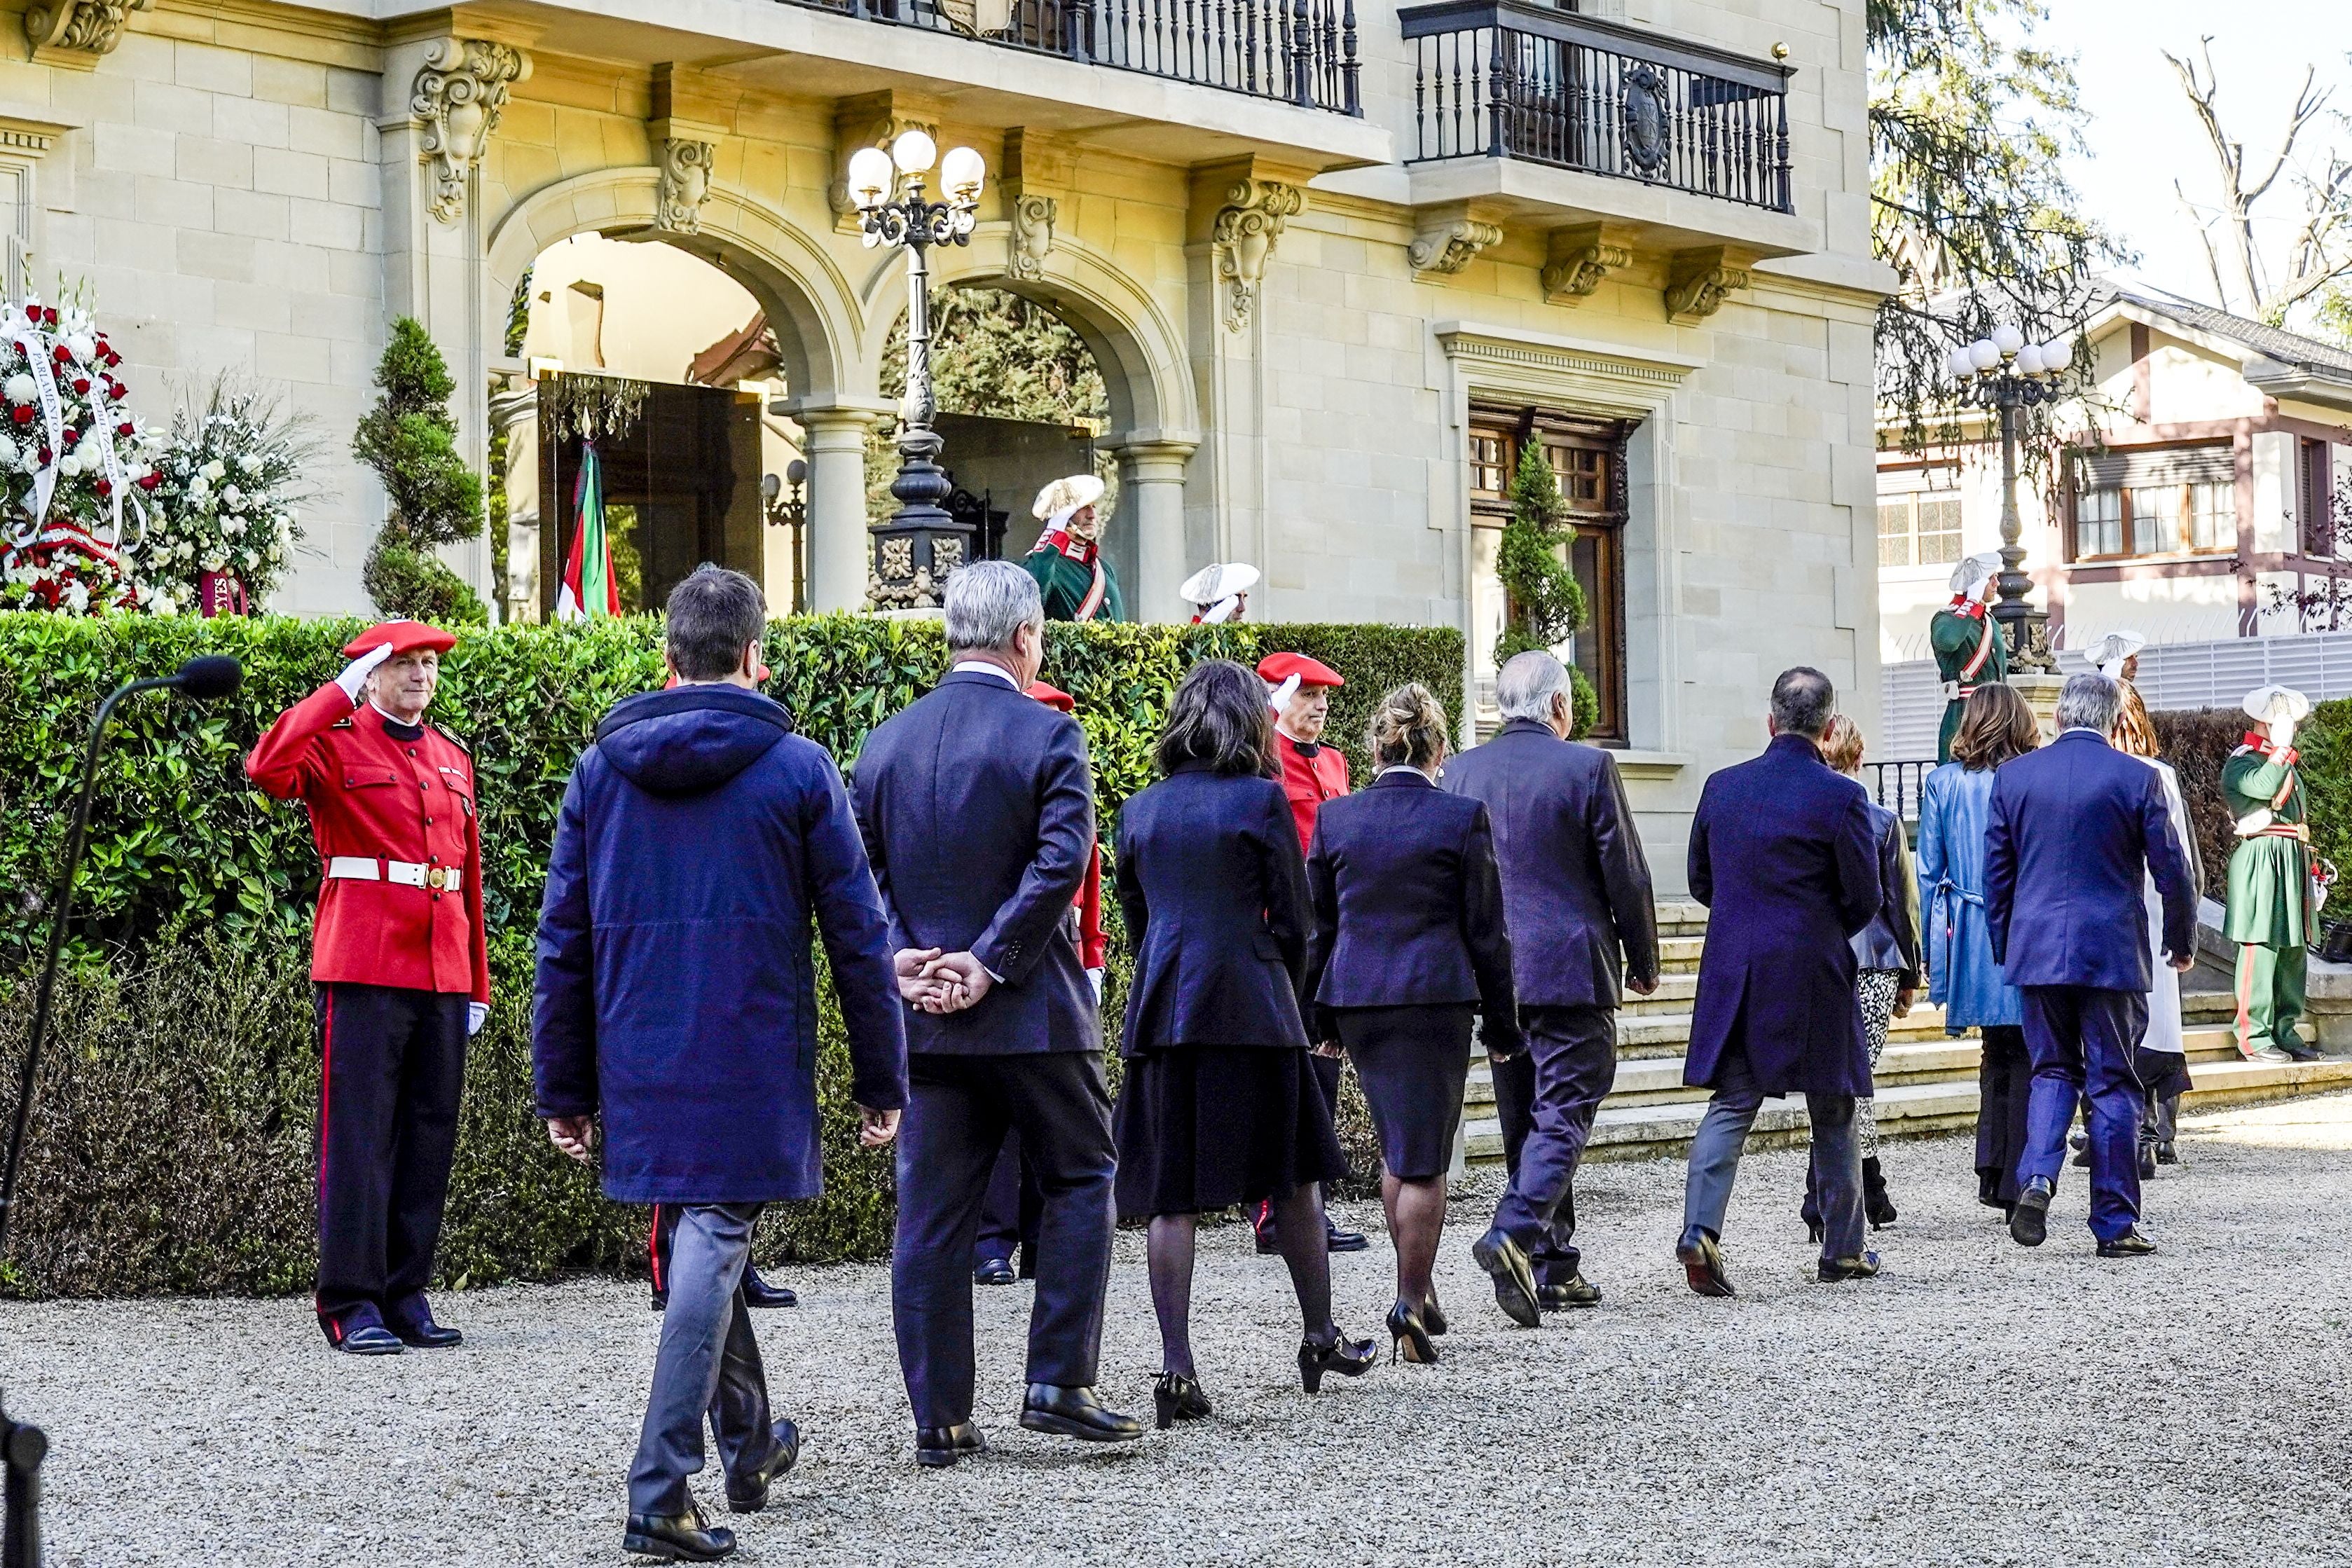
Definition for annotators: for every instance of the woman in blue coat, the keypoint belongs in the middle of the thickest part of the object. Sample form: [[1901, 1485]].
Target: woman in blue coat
[[1218, 1105], [1409, 947], [1962, 978]]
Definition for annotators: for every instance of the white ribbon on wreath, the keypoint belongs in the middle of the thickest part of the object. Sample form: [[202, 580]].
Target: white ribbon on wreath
[[33, 343], [102, 429]]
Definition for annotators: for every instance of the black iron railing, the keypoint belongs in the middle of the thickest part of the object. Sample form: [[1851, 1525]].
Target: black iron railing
[[1898, 786], [1295, 51], [1506, 78]]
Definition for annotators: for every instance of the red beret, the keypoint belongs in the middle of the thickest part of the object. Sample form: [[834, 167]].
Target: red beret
[[1052, 697], [1278, 667], [405, 636]]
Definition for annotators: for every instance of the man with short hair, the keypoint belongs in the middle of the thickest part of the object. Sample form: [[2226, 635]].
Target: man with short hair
[[1783, 855], [2073, 830], [1576, 896], [978, 814], [698, 840]]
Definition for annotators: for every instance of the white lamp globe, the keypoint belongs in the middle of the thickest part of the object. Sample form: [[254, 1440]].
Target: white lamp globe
[[1983, 354], [2008, 338], [871, 176], [1958, 365], [961, 172], [2029, 360], [914, 153], [2057, 354]]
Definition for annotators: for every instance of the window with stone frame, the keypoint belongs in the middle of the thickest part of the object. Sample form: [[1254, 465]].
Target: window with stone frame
[[1587, 455], [2153, 501]]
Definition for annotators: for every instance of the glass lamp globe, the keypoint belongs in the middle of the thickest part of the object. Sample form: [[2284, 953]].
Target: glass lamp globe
[[2057, 354], [961, 172], [871, 176], [914, 153], [1982, 354], [1958, 365], [2008, 338], [2029, 360]]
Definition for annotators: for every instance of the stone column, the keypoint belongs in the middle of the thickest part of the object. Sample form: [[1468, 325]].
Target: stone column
[[1151, 485], [840, 554]]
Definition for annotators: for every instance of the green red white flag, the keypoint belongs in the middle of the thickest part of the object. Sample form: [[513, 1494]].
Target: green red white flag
[[589, 590]]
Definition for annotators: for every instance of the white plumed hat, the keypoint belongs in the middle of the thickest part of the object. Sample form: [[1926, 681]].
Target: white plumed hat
[[2272, 703], [2112, 651], [1066, 495], [1973, 571]]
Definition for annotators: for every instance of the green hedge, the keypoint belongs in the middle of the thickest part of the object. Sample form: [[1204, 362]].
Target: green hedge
[[172, 1146]]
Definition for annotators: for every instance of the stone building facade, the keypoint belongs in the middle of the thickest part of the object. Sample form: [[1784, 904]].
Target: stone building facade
[[1336, 260]]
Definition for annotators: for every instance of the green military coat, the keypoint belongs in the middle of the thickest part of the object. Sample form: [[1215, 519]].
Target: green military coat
[[1972, 650], [2270, 874], [1070, 585]]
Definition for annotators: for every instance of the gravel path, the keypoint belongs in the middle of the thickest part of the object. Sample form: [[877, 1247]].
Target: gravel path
[[1977, 1404]]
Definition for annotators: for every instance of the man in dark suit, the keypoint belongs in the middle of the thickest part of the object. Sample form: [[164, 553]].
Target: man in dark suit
[[699, 838], [1783, 855], [1576, 894], [978, 814], [2073, 828]]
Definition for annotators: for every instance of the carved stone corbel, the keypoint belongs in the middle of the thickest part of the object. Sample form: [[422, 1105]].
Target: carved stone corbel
[[1579, 259], [1699, 281], [78, 33], [1246, 228], [872, 120], [1447, 245], [1033, 217], [460, 94], [685, 181]]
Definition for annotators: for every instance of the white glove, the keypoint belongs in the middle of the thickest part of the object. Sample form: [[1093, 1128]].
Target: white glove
[[355, 674], [1094, 978], [2282, 734], [476, 1014]]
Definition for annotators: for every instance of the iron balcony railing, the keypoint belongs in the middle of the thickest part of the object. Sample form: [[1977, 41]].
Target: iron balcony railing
[[1292, 51], [1509, 78]]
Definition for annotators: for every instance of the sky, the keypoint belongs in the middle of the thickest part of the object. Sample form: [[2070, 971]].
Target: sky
[[2142, 135]]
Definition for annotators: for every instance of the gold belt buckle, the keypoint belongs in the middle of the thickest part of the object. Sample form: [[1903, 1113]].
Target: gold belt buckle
[[437, 878]]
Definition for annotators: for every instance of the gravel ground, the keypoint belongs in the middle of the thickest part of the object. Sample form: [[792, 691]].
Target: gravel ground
[[1976, 1404]]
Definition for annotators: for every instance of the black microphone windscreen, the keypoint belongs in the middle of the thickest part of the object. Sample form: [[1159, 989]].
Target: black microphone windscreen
[[209, 675]]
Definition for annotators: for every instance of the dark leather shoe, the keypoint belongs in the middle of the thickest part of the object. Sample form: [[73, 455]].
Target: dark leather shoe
[[1833, 1270], [2166, 1153], [2147, 1160], [411, 1319], [758, 1292], [748, 1494], [682, 1539], [1574, 1291], [1075, 1413], [993, 1271], [937, 1447], [2130, 1244], [2029, 1222], [1505, 1263], [360, 1330], [2299, 1051], [1702, 1262], [1338, 1240]]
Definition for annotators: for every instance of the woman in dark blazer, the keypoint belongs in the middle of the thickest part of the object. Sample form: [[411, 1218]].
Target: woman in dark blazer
[[1409, 946], [1218, 1106]]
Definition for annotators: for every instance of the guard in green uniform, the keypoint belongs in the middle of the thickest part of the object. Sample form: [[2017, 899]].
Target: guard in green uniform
[[1066, 560], [2271, 908], [1970, 650]]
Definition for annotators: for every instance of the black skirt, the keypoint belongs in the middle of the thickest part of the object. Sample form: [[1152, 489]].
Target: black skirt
[[1201, 1127], [1414, 1062], [2162, 1073]]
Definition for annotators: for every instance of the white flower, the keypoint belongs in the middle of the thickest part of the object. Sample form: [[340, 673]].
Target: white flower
[[249, 463], [79, 345], [233, 498], [232, 525], [21, 388], [7, 452], [165, 605], [198, 488], [70, 464], [216, 470], [184, 550], [76, 596]]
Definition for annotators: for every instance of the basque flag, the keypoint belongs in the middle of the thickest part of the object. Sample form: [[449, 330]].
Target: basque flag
[[589, 589]]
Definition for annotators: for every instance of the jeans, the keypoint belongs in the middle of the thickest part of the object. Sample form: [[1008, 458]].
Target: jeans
[[1723, 1137], [708, 1363]]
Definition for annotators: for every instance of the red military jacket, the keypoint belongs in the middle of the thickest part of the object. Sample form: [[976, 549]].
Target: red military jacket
[[1311, 775], [375, 797]]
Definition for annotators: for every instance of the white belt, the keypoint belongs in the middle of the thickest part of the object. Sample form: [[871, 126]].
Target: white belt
[[367, 868]]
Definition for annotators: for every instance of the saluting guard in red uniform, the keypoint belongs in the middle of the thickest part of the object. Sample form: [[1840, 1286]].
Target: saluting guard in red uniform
[[400, 967]]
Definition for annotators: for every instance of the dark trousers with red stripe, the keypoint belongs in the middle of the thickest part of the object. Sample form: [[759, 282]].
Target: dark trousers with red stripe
[[393, 1063]]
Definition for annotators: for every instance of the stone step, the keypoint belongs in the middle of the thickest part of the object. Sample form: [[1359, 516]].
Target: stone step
[[1679, 954]]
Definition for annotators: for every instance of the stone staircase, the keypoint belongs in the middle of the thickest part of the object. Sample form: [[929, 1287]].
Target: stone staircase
[[1927, 1081]]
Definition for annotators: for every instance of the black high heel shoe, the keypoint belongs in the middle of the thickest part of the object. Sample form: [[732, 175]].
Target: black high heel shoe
[[1813, 1231], [1409, 1337], [1175, 1397], [1433, 1318], [1349, 1358]]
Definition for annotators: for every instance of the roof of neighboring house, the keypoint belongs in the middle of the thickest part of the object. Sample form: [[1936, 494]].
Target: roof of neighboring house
[[750, 355], [2312, 355]]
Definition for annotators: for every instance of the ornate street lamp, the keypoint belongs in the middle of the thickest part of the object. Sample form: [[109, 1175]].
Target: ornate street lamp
[[791, 511], [917, 545], [2004, 371]]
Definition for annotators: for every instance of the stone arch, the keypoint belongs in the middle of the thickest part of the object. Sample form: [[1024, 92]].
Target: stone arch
[[811, 303]]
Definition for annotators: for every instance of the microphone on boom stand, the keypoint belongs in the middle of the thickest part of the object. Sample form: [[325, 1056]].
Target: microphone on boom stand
[[23, 1447]]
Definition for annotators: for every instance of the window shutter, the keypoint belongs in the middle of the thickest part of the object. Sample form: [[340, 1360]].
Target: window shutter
[[2158, 465]]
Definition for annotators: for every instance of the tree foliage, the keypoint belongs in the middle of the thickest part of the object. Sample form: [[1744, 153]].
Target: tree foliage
[[411, 441]]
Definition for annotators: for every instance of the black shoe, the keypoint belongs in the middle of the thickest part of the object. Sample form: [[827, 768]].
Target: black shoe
[[1833, 1270], [937, 1447], [1813, 1231], [748, 1494], [993, 1271], [1409, 1337], [2130, 1244], [1349, 1358], [2147, 1160], [360, 1330], [1573, 1291], [2029, 1222], [1075, 1413], [2083, 1157], [1505, 1263], [1338, 1240], [411, 1319], [2166, 1153], [1176, 1397], [1262, 1222], [1877, 1206], [1433, 1318], [1702, 1262], [683, 1539], [2299, 1051], [759, 1294]]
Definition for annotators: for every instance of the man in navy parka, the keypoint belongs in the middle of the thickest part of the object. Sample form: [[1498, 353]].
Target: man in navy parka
[[677, 999]]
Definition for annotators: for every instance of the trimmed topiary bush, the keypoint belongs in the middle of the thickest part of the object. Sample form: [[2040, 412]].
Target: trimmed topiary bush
[[411, 441]]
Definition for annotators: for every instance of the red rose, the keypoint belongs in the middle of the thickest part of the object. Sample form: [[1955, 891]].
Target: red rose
[[49, 314], [24, 413], [149, 482], [81, 386], [73, 436], [45, 456], [126, 428], [61, 353], [105, 487]]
